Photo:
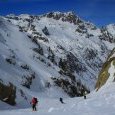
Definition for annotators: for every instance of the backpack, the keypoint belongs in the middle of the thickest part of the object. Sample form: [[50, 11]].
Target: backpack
[[36, 100]]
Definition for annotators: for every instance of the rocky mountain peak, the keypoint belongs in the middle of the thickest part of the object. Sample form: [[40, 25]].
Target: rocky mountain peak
[[66, 17]]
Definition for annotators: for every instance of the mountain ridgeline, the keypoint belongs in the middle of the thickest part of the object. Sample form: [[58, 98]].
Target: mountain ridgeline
[[54, 51]]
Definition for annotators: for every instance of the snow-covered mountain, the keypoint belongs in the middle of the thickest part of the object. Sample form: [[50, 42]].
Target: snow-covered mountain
[[53, 55]]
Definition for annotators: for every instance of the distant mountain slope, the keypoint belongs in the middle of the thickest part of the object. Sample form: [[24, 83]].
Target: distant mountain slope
[[54, 54]]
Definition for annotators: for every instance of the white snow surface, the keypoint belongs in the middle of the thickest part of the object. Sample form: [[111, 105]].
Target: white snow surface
[[97, 103], [111, 29]]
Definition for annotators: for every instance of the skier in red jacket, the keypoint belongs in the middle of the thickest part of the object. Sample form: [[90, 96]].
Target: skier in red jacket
[[34, 103]]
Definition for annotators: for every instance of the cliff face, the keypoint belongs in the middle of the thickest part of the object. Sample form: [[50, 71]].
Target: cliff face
[[104, 74], [8, 93]]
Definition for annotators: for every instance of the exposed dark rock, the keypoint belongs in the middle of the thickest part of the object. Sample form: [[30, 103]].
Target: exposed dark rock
[[70, 88], [51, 56], [8, 93], [106, 35], [25, 66], [27, 80], [45, 31], [39, 50], [11, 61], [69, 17], [71, 64], [90, 54], [23, 94], [43, 38]]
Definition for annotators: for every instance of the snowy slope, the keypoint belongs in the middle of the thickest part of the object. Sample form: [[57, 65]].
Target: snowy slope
[[16, 47], [101, 102]]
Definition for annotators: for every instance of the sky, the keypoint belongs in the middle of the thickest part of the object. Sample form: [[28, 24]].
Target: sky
[[99, 12]]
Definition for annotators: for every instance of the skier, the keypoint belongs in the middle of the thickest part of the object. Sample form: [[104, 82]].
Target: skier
[[84, 94], [34, 103], [61, 100]]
